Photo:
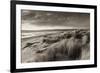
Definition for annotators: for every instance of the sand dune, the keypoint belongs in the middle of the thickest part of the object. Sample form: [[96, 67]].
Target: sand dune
[[56, 46]]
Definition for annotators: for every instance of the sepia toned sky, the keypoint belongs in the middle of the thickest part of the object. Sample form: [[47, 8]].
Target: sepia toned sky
[[44, 20]]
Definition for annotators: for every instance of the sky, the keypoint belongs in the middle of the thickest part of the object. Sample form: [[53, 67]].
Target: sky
[[44, 20]]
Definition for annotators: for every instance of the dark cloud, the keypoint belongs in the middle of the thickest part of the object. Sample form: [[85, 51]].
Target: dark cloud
[[51, 18]]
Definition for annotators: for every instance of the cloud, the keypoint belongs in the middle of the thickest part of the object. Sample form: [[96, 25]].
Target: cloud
[[50, 18]]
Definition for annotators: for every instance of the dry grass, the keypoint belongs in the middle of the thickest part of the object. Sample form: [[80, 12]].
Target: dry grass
[[66, 45]]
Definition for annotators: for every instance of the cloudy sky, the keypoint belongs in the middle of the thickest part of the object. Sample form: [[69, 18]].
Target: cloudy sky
[[44, 20]]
